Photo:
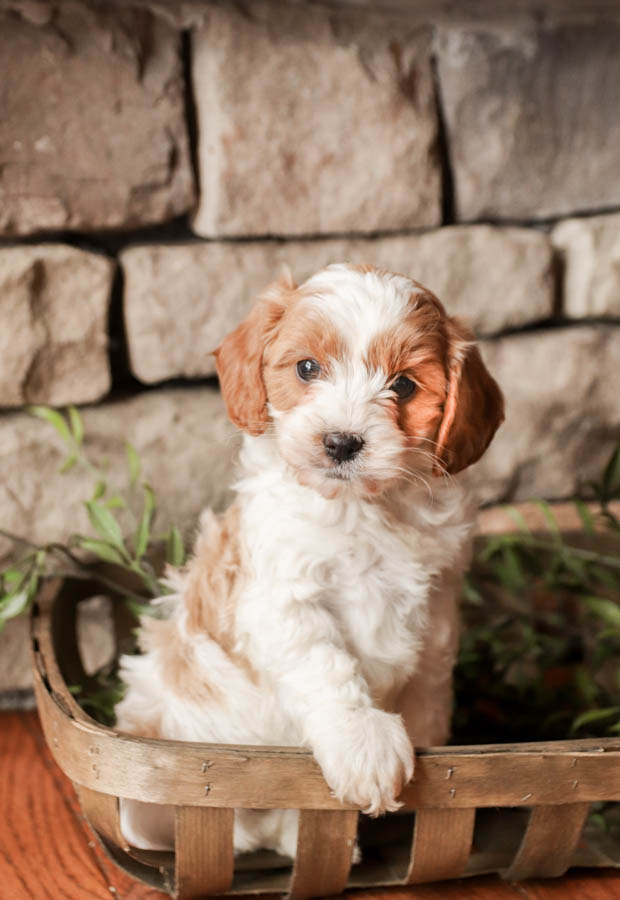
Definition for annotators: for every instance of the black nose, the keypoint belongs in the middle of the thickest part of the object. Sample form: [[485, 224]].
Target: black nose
[[342, 446]]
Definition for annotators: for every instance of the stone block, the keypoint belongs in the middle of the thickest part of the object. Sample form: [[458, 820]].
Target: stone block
[[590, 250], [181, 300], [92, 132], [53, 325], [531, 119], [562, 412], [311, 124]]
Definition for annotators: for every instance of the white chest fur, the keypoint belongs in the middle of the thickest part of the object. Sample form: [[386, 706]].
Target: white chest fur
[[369, 565]]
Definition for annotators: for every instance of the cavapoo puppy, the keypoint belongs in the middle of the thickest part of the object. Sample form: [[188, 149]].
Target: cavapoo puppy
[[321, 608]]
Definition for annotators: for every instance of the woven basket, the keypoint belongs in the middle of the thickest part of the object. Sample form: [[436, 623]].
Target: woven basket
[[528, 802]]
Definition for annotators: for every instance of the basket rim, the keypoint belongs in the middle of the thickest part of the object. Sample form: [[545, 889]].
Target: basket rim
[[203, 774]]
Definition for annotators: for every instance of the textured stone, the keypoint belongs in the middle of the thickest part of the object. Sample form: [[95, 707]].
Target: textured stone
[[53, 325], [181, 300], [92, 132], [191, 13], [183, 437], [531, 119], [562, 412], [310, 124], [590, 249]]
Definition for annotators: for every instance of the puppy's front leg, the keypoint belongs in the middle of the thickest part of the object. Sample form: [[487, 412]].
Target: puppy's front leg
[[364, 752]]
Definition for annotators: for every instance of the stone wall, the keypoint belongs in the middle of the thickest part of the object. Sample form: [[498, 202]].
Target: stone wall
[[160, 162]]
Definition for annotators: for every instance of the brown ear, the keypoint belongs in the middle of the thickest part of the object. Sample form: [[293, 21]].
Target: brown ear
[[474, 406], [239, 358]]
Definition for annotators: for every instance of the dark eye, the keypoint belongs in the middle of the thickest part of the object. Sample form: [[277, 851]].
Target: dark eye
[[403, 387], [308, 369]]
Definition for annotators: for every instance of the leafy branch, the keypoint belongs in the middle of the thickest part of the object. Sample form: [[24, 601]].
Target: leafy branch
[[109, 508], [540, 652]]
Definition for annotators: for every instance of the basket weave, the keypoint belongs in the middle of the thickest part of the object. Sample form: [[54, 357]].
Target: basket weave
[[206, 782]]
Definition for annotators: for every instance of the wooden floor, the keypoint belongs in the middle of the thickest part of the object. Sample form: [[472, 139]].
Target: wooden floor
[[47, 851]]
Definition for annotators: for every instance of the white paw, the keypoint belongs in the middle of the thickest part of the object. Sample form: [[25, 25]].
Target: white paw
[[366, 758]]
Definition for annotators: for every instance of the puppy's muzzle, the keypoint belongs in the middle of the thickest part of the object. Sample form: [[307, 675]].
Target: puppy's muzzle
[[342, 446]]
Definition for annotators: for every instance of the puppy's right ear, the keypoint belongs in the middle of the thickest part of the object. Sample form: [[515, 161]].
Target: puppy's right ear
[[239, 358]]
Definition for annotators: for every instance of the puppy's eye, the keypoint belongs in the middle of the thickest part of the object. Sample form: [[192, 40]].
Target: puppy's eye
[[308, 369], [403, 387]]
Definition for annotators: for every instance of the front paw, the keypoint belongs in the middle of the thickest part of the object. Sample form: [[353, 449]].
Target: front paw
[[366, 758]]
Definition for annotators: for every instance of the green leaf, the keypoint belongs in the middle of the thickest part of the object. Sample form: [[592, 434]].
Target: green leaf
[[550, 519], [606, 633], [492, 545], [115, 502], [143, 531], [611, 476], [77, 426], [508, 569], [605, 609], [605, 576], [100, 489], [133, 463], [175, 551], [104, 523], [576, 566], [585, 515], [13, 577], [103, 550], [55, 419], [142, 609], [594, 715], [518, 518], [68, 464], [12, 605]]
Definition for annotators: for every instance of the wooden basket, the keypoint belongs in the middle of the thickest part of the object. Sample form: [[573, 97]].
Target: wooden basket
[[528, 802]]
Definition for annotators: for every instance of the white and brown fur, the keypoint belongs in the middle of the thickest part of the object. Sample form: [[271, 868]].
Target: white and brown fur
[[321, 608]]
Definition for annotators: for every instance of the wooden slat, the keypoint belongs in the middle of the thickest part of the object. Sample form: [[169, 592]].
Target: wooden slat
[[549, 841], [102, 813], [441, 844], [157, 771], [203, 851], [324, 853]]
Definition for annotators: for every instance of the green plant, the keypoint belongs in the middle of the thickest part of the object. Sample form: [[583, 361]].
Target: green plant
[[112, 511], [540, 652]]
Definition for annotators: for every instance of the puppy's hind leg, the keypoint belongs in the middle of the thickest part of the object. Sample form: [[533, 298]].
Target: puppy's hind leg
[[150, 826], [147, 826], [274, 829]]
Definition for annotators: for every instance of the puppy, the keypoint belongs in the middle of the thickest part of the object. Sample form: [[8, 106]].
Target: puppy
[[321, 608]]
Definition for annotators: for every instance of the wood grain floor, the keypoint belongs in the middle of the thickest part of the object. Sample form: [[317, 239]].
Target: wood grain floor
[[47, 851]]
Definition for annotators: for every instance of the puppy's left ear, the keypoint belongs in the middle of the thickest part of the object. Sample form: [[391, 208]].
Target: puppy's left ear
[[239, 358], [474, 405]]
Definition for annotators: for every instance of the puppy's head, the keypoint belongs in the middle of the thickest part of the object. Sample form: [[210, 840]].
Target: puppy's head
[[364, 379]]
